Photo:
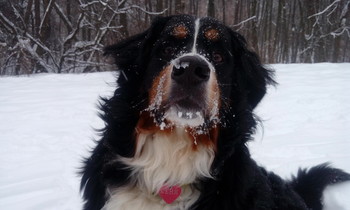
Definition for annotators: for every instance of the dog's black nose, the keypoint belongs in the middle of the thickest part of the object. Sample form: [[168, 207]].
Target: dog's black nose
[[190, 70]]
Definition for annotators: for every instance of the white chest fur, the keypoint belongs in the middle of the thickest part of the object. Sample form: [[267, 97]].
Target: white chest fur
[[162, 159]]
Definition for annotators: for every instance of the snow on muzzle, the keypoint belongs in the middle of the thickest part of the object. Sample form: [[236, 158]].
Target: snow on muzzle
[[187, 91]]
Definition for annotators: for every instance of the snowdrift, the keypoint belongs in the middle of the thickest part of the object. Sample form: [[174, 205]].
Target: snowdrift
[[47, 125]]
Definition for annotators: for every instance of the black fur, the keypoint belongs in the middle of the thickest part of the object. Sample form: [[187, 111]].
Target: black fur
[[239, 183]]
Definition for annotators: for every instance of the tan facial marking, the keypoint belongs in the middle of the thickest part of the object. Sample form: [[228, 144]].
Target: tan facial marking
[[208, 138], [159, 91], [212, 34], [180, 31]]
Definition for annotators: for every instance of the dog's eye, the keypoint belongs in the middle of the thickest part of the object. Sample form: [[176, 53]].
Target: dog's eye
[[217, 57], [168, 51]]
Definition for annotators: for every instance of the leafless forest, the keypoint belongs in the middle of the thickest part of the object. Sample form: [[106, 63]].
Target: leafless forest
[[67, 36]]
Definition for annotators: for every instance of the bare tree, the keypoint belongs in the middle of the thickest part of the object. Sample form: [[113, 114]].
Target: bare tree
[[69, 35], [33, 45]]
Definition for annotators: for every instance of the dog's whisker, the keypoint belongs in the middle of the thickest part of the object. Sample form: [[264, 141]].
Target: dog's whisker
[[139, 103], [225, 85]]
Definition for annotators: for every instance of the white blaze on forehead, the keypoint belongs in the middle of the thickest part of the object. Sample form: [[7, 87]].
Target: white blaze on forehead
[[196, 30]]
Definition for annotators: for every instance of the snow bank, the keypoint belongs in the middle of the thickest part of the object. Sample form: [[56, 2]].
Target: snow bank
[[47, 126]]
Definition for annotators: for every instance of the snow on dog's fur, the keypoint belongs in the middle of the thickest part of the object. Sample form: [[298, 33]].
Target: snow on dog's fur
[[181, 118]]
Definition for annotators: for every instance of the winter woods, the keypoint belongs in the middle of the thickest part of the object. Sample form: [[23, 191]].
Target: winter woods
[[68, 35]]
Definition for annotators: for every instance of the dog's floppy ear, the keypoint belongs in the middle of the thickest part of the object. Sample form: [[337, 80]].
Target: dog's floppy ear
[[126, 51], [255, 76], [130, 53]]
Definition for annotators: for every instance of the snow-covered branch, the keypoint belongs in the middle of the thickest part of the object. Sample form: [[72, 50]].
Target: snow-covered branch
[[145, 11], [72, 35], [42, 46], [25, 45], [46, 14], [63, 17], [323, 11], [69, 36], [244, 21], [7, 23]]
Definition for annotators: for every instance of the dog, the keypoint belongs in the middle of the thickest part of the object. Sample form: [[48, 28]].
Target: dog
[[177, 126]]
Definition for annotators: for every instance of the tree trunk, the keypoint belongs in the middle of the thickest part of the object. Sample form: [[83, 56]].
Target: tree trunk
[[224, 11], [37, 21], [179, 6], [123, 21], [276, 45], [159, 6], [255, 23], [37, 18], [211, 8], [28, 14]]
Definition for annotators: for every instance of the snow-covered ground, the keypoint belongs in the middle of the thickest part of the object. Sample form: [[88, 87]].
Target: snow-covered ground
[[47, 125]]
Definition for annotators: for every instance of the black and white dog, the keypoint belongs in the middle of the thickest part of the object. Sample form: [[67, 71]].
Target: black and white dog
[[178, 124]]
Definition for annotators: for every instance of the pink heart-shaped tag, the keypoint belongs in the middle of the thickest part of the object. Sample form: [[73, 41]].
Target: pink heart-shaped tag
[[169, 194]]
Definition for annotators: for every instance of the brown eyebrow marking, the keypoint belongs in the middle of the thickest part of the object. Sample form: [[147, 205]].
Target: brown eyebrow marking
[[180, 31], [212, 34]]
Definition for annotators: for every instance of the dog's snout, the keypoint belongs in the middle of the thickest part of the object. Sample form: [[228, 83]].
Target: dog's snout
[[190, 70]]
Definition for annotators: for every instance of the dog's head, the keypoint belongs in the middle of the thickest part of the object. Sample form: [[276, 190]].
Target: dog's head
[[193, 72]]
